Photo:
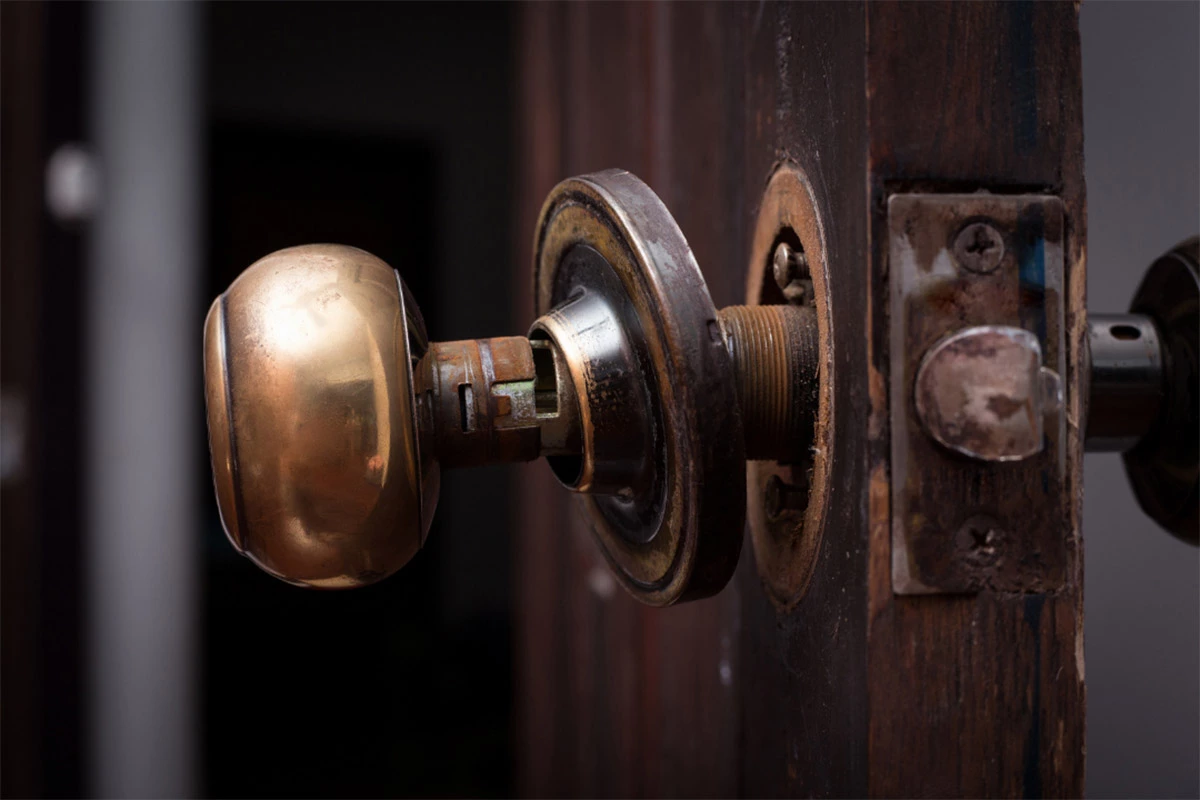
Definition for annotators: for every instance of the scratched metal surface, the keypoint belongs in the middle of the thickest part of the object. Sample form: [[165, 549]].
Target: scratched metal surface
[[960, 524]]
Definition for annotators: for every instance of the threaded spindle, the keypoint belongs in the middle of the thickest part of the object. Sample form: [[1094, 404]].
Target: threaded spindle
[[775, 364]]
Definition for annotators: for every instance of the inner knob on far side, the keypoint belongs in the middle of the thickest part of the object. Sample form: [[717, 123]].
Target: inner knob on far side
[[1145, 390]]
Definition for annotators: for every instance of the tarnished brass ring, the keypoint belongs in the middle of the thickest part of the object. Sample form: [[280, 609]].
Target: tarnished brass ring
[[786, 544], [674, 533]]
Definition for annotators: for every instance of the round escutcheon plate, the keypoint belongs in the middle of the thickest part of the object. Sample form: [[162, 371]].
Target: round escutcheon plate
[[787, 541], [618, 287]]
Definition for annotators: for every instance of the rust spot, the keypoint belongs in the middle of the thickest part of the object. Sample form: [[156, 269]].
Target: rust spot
[[1004, 407], [480, 404], [971, 386]]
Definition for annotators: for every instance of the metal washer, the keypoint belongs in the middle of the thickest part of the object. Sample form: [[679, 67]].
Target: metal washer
[[692, 513]]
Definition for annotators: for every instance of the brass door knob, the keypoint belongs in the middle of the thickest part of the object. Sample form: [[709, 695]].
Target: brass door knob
[[330, 414], [309, 387]]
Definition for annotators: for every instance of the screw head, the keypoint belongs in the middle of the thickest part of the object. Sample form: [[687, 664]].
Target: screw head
[[788, 265], [980, 540], [979, 247], [781, 498]]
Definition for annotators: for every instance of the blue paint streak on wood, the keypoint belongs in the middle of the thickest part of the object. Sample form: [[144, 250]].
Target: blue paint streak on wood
[[1030, 252]]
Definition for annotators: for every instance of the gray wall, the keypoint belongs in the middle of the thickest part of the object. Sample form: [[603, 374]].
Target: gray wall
[[1141, 109], [142, 384]]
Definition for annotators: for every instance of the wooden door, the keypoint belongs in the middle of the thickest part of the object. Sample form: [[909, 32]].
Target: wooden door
[[856, 690]]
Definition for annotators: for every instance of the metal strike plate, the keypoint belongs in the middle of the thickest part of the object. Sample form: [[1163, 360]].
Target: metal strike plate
[[994, 517]]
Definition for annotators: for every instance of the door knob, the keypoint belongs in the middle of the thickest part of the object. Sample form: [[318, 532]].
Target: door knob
[[1144, 396], [330, 413]]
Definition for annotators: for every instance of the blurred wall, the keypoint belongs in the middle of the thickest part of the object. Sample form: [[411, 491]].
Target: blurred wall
[[143, 398], [1141, 112], [42, 396]]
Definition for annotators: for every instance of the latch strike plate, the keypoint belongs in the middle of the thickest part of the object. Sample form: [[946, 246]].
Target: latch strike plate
[[977, 351]]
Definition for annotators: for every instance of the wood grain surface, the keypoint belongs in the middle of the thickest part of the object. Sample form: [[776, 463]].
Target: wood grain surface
[[855, 691]]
